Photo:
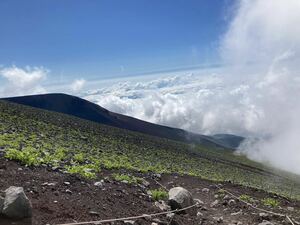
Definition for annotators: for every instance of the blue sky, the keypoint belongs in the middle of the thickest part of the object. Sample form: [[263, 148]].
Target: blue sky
[[108, 38]]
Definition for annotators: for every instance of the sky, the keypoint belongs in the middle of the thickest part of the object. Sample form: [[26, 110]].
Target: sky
[[110, 38], [209, 66]]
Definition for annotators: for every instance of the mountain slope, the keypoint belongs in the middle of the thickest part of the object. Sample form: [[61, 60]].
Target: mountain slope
[[38, 137], [84, 109], [228, 140]]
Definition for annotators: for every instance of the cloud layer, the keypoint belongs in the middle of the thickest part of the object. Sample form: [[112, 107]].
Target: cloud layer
[[257, 96]]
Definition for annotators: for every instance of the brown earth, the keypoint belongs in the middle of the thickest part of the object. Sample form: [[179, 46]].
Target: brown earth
[[63, 198]]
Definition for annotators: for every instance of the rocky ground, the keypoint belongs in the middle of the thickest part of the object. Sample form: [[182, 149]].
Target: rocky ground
[[62, 198]]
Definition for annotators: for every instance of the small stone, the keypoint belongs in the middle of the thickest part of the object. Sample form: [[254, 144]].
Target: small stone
[[129, 222], [67, 183], [162, 206], [68, 191], [157, 175], [48, 184], [156, 220], [266, 223], [218, 219], [226, 197], [94, 213], [98, 184], [199, 202], [264, 216], [231, 202], [214, 204], [170, 215], [145, 183], [199, 214], [205, 190], [236, 213], [54, 168], [203, 208]]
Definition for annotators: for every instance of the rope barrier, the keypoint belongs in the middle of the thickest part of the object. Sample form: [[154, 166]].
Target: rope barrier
[[133, 217], [257, 208]]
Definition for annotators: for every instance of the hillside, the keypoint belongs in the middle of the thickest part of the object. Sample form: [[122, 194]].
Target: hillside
[[47, 147], [84, 109]]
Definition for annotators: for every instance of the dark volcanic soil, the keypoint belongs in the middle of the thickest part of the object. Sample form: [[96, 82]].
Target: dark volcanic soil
[[63, 198]]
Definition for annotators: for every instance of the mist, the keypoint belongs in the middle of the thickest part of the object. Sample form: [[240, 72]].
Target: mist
[[263, 41]]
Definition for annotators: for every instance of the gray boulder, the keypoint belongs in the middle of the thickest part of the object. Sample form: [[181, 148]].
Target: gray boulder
[[180, 198], [16, 204]]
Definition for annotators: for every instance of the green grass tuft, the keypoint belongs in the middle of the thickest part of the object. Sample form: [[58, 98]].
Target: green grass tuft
[[271, 202], [246, 198], [128, 178], [159, 194]]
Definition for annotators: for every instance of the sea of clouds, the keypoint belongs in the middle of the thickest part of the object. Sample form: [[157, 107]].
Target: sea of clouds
[[257, 94]]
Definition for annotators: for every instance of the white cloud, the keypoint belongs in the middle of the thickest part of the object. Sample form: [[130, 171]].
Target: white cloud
[[261, 30], [77, 85], [257, 96], [22, 81], [265, 34]]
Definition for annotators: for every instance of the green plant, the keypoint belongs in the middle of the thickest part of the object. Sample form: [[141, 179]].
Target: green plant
[[159, 194], [271, 202], [79, 157], [246, 198], [129, 179], [28, 156], [88, 171], [221, 193]]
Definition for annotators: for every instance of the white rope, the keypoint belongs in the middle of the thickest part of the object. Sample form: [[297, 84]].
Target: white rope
[[131, 218], [256, 208]]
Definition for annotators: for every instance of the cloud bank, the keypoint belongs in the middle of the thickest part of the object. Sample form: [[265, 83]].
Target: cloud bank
[[264, 33], [18, 81], [256, 96]]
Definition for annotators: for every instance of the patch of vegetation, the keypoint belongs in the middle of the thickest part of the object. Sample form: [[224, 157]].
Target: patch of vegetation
[[41, 138], [246, 198], [28, 156], [127, 178], [221, 193], [159, 194], [79, 157], [87, 171], [271, 202]]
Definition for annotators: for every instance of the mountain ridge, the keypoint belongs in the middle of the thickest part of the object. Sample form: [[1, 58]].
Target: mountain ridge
[[75, 106]]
